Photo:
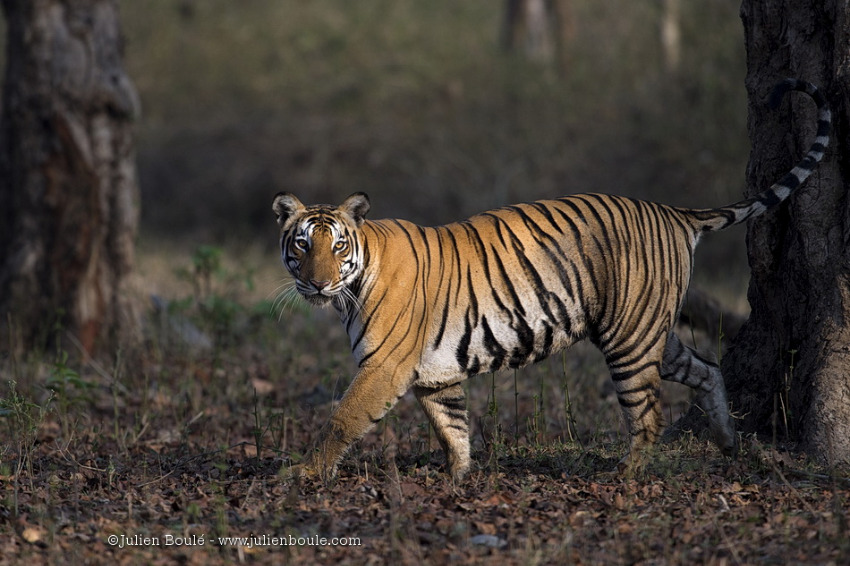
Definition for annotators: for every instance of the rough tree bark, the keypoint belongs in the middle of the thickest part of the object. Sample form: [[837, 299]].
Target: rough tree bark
[[68, 193], [788, 371]]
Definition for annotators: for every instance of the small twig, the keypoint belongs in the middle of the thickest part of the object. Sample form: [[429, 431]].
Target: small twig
[[248, 493], [187, 460], [145, 424], [66, 454], [194, 419], [822, 477], [92, 363], [736, 558], [69, 458], [782, 477]]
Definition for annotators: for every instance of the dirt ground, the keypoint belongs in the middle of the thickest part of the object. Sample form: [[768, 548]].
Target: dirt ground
[[176, 459]]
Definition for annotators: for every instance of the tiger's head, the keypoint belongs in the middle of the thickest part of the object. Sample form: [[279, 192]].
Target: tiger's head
[[321, 245]]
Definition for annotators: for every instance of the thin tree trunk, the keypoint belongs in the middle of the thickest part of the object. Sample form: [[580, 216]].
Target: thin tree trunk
[[68, 193], [542, 29], [671, 34], [564, 28], [788, 372]]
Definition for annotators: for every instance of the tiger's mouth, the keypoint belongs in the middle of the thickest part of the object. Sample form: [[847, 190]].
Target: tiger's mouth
[[317, 293], [318, 299]]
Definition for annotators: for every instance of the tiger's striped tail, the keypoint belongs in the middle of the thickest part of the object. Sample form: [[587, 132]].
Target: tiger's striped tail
[[710, 220]]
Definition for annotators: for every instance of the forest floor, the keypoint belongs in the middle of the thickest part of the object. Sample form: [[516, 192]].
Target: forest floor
[[175, 458], [171, 452]]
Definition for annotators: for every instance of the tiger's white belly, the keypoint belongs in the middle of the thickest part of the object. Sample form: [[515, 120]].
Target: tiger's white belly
[[496, 341]]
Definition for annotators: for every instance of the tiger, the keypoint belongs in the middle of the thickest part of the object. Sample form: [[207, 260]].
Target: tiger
[[428, 307]]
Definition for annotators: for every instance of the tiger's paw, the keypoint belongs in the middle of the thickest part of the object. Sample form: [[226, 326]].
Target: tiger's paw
[[725, 438], [720, 423], [633, 465], [297, 471], [307, 470], [458, 464]]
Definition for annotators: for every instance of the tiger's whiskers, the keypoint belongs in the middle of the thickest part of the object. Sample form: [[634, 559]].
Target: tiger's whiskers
[[286, 296], [348, 302]]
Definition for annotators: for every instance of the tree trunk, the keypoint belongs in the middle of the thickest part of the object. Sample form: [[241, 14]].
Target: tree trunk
[[564, 31], [671, 34], [68, 193], [542, 29], [788, 371]]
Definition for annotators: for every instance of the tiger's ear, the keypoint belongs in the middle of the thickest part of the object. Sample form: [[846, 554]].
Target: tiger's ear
[[284, 206], [357, 206]]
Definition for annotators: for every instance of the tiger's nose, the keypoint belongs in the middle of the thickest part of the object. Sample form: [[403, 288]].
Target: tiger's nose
[[319, 285]]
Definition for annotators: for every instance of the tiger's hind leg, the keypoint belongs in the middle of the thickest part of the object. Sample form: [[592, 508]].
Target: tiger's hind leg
[[635, 371], [446, 410], [683, 365]]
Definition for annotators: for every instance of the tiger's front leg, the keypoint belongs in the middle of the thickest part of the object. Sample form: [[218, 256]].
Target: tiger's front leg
[[446, 410], [369, 397]]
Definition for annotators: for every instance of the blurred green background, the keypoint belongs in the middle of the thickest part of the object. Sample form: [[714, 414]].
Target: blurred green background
[[417, 104]]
